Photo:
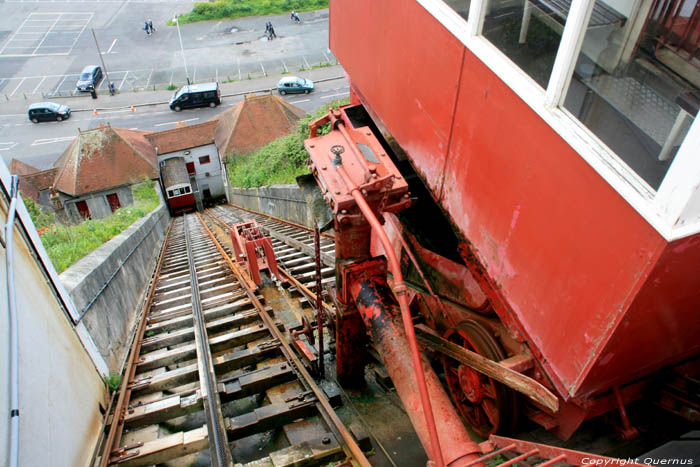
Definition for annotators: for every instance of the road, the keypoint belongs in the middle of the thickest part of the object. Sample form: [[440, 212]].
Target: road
[[45, 44], [40, 144]]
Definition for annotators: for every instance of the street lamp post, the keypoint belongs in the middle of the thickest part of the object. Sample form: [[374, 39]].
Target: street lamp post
[[109, 82], [177, 23]]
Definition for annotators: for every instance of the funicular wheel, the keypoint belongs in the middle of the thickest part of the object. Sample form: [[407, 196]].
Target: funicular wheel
[[486, 405]]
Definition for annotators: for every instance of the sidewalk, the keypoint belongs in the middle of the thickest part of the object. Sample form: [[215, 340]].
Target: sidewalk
[[125, 100]]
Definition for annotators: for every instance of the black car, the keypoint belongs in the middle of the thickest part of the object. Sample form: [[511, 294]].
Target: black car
[[89, 78], [48, 111], [196, 95]]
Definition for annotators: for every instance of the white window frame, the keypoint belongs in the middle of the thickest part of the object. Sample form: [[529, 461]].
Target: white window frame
[[674, 209]]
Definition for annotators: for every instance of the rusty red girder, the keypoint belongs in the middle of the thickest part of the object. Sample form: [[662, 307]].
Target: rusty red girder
[[253, 249], [360, 183]]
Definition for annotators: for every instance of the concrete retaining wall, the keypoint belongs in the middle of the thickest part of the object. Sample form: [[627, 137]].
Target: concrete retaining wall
[[285, 201], [111, 286]]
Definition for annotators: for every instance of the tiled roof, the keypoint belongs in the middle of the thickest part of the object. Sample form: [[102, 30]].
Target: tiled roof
[[30, 185], [255, 122], [18, 167], [178, 139], [103, 158]]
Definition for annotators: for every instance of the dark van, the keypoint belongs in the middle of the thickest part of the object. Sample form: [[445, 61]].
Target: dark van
[[89, 78], [48, 111], [196, 95]]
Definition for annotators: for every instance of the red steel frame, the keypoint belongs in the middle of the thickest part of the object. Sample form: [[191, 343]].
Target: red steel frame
[[254, 249]]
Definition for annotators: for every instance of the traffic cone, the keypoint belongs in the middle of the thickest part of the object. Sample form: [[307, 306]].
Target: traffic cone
[[132, 108], [94, 111]]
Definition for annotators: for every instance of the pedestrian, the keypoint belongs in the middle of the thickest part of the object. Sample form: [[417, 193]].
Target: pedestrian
[[146, 28], [272, 32], [111, 89], [150, 26]]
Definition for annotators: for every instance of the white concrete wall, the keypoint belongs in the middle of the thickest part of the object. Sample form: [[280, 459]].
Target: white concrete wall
[[60, 387]]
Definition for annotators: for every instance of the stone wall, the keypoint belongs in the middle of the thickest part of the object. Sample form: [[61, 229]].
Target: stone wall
[[110, 284], [285, 201]]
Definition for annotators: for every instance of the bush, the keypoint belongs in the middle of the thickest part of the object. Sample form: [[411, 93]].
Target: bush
[[220, 9], [281, 161]]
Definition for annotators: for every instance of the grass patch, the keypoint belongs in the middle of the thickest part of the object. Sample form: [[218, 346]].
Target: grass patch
[[223, 9], [171, 87], [67, 244], [281, 161], [113, 381]]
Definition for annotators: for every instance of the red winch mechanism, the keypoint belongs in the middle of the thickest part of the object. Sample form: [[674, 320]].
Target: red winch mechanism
[[253, 249], [360, 183]]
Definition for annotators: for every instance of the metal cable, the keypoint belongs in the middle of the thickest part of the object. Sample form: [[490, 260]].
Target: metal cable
[[13, 453]]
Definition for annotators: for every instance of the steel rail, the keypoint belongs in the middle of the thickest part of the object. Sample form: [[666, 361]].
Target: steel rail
[[117, 426], [305, 291], [218, 445], [352, 445], [277, 219]]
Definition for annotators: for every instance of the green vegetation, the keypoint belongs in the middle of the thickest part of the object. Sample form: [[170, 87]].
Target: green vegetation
[[281, 161], [67, 244], [112, 381], [221, 9], [171, 87]]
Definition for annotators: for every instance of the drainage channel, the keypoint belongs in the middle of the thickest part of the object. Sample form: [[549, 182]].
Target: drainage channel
[[211, 373]]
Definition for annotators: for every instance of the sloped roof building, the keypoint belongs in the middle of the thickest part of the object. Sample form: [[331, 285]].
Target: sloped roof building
[[255, 122]]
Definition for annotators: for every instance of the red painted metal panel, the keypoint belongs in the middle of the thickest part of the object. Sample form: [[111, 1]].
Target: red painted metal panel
[[184, 201], [565, 251], [662, 323], [413, 86], [564, 256]]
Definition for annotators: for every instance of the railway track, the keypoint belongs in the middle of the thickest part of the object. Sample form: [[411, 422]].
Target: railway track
[[211, 374]]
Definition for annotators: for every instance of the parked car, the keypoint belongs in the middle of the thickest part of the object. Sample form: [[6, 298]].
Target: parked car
[[48, 111], [89, 78], [294, 85], [196, 95]]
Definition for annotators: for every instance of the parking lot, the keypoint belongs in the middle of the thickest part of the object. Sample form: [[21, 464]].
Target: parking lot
[[48, 86], [46, 34]]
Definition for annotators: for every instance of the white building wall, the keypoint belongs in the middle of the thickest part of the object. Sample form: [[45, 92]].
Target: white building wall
[[60, 388], [214, 168]]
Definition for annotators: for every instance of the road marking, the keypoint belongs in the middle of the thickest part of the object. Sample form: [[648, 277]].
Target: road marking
[[285, 67], [37, 86], [336, 95], [39, 142], [110, 47], [173, 123], [47, 33], [307, 63], [298, 102], [20, 84], [123, 79], [263, 68], [10, 145], [80, 33], [149, 78], [18, 29], [59, 85]]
